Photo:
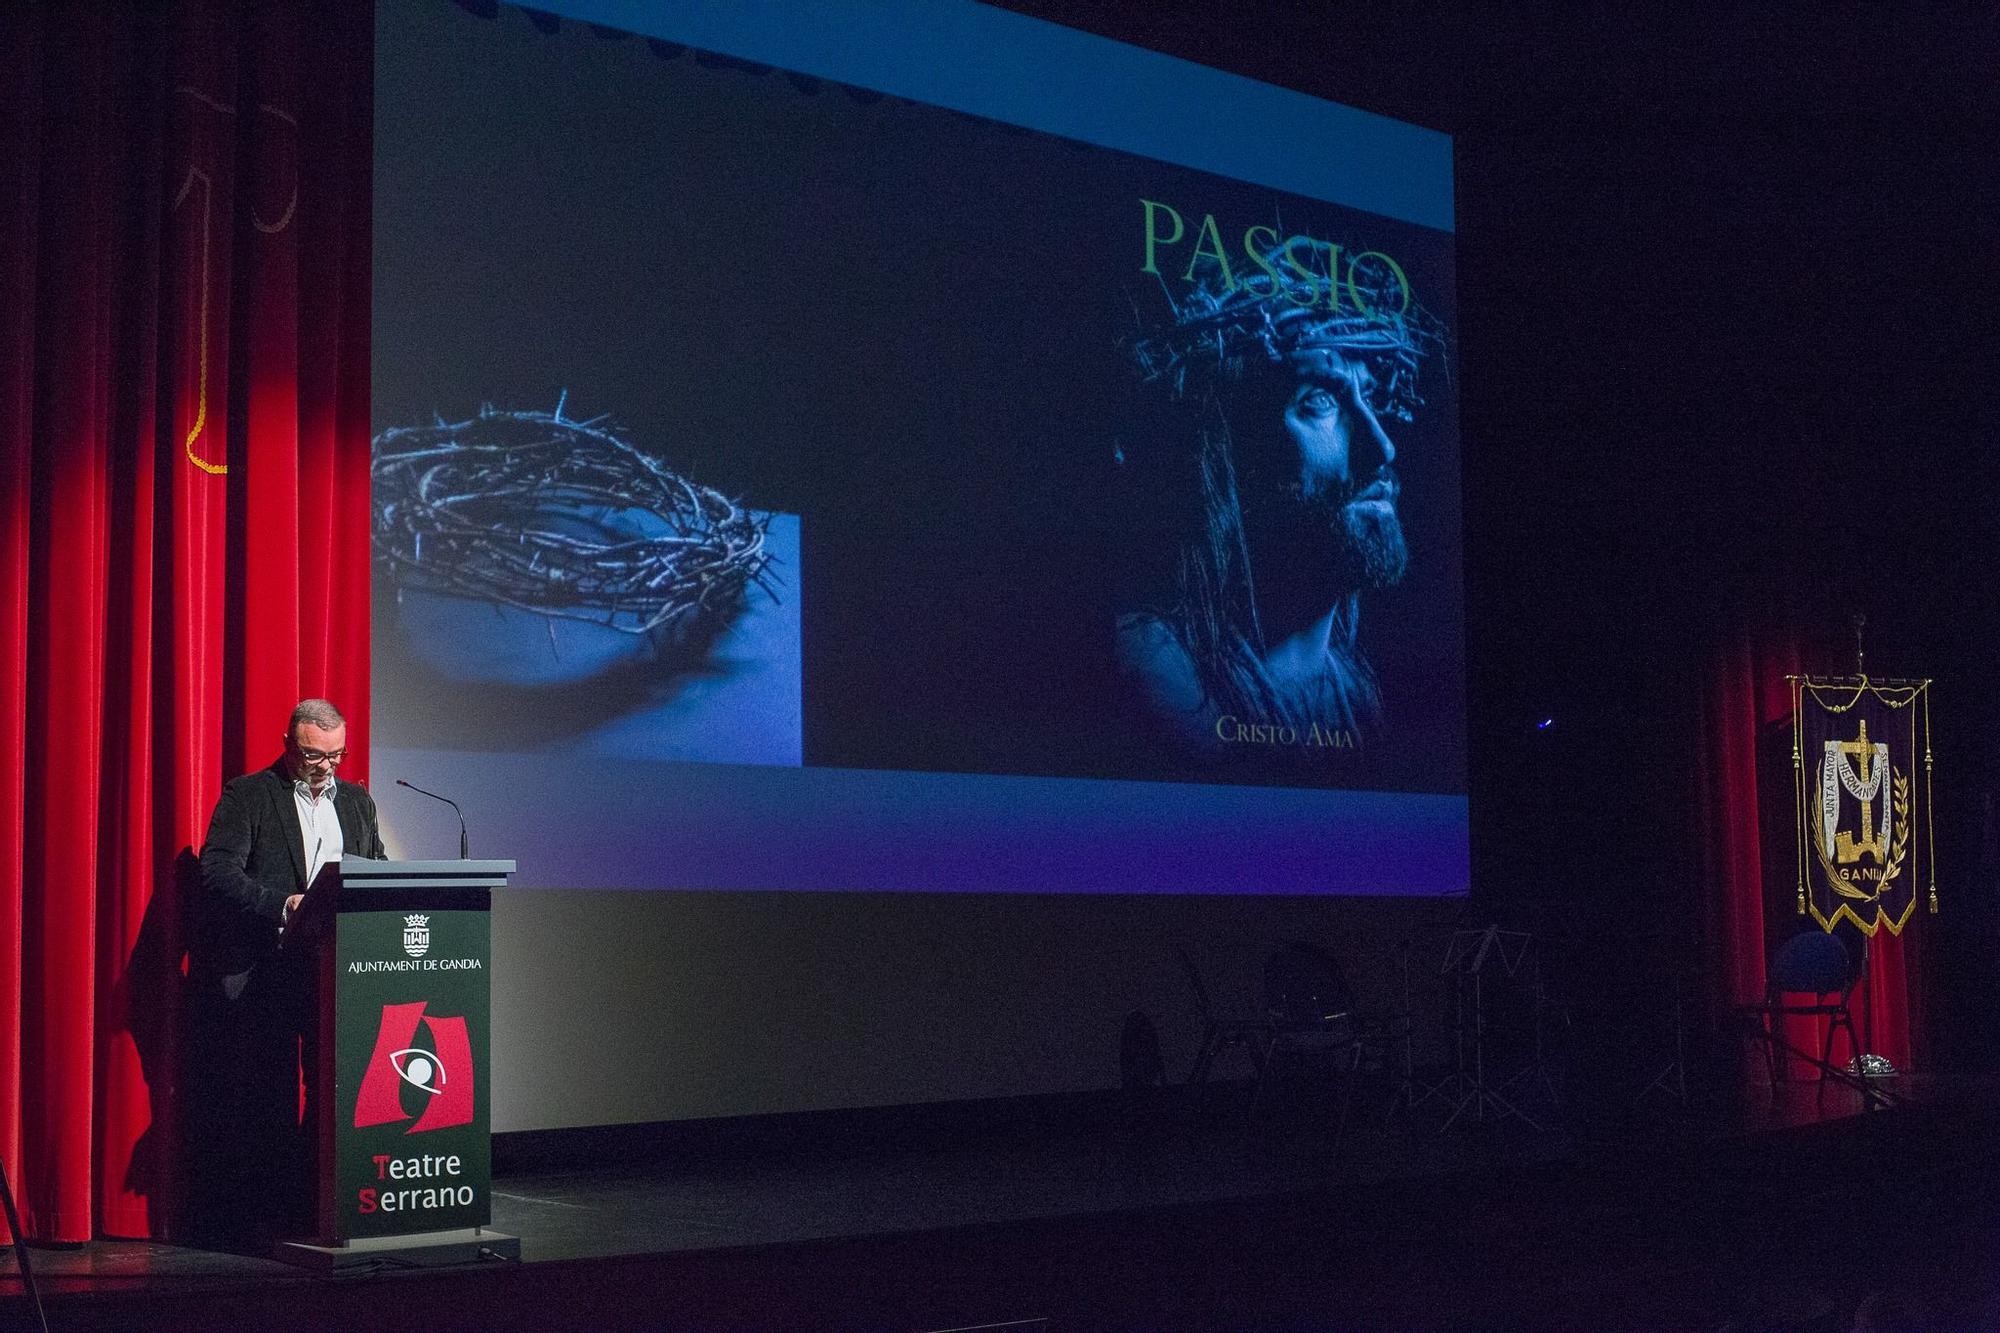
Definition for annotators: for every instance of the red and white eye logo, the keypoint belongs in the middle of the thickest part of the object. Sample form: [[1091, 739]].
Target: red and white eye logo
[[379, 1099], [419, 1068]]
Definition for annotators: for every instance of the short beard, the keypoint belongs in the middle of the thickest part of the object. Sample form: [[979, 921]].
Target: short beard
[[1369, 551], [1372, 551]]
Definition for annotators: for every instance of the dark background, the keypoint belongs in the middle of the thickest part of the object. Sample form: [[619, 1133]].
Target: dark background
[[1727, 288], [1727, 291]]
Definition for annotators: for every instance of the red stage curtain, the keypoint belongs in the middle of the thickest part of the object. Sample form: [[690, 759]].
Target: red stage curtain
[[1751, 876], [184, 304]]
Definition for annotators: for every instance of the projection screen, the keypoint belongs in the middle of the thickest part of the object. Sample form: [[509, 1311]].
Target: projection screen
[[907, 446]]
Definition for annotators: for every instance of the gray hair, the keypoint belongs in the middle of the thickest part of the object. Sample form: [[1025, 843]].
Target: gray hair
[[318, 712]]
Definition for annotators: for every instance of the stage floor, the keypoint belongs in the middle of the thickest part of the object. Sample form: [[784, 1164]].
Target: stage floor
[[1193, 1221]]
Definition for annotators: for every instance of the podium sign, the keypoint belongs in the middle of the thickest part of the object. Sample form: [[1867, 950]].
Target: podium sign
[[404, 997], [411, 1148]]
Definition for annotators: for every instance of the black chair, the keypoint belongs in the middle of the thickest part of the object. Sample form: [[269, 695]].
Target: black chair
[[1818, 964], [1317, 1021], [1220, 1034]]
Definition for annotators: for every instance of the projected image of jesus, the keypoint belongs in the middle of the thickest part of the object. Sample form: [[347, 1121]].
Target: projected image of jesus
[[1268, 464]]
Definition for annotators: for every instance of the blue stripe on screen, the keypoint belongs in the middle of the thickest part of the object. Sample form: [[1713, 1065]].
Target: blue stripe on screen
[[729, 826]]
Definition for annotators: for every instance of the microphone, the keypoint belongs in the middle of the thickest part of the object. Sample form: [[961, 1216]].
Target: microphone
[[464, 847]]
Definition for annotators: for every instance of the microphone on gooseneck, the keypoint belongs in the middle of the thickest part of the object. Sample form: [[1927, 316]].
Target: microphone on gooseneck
[[464, 846]]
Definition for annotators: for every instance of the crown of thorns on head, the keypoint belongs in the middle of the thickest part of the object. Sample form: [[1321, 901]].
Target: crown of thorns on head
[[1280, 310], [565, 519]]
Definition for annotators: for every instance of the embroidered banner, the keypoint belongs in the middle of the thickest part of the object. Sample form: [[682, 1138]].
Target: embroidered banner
[[1861, 761]]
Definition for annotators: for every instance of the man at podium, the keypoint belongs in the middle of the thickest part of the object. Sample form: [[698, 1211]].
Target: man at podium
[[271, 833]]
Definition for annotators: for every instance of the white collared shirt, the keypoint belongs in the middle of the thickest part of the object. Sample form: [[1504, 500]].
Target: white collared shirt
[[319, 826]]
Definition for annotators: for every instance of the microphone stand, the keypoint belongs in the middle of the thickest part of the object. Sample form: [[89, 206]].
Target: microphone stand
[[21, 1250], [464, 844]]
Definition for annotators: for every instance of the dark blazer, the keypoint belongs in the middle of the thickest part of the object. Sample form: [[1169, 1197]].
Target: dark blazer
[[252, 860]]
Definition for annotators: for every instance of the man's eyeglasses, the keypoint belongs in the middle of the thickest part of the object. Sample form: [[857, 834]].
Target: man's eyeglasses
[[320, 756]]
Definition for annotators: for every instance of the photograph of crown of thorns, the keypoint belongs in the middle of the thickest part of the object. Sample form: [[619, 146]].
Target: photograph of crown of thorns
[[531, 510], [1286, 309]]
